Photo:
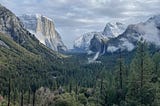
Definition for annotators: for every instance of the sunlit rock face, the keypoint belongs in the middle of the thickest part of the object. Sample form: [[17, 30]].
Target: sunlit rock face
[[44, 30]]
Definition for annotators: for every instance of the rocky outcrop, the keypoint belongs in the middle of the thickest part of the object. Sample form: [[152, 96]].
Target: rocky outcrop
[[83, 42], [3, 44], [44, 30], [12, 26], [97, 43], [113, 30]]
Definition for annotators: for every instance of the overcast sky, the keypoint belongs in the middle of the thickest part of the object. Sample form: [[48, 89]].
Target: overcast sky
[[74, 17]]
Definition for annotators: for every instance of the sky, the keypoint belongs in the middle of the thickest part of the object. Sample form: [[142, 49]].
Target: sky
[[73, 18]]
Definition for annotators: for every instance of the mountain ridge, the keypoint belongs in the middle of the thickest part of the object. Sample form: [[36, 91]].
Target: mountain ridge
[[148, 30], [110, 31]]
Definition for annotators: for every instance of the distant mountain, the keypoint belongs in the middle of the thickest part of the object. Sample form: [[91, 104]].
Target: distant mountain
[[149, 31], [84, 41], [22, 56], [24, 61], [44, 30], [93, 40], [12, 27], [112, 30], [117, 36]]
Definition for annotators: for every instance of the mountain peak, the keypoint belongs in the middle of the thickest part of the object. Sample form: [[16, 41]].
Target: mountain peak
[[148, 30], [12, 27], [93, 40], [42, 16], [83, 41], [112, 30], [44, 29]]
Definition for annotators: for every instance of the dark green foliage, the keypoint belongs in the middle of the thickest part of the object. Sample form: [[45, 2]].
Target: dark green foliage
[[123, 79], [141, 90]]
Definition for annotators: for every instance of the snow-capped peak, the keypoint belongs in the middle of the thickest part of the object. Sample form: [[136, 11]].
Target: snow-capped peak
[[111, 30], [83, 41], [148, 30], [114, 29]]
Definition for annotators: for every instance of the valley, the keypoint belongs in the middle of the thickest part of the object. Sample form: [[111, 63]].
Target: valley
[[119, 66]]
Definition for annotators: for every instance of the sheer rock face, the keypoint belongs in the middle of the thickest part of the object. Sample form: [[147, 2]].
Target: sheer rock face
[[97, 43], [44, 30]]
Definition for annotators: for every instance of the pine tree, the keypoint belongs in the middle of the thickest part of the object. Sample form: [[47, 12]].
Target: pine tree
[[29, 96], [156, 78], [141, 90], [156, 59], [120, 76]]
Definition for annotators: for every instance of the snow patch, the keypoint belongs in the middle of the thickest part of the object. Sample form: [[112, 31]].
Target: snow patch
[[83, 41], [114, 29], [112, 49]]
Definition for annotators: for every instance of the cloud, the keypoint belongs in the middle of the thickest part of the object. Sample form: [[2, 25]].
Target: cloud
[[75, 17]]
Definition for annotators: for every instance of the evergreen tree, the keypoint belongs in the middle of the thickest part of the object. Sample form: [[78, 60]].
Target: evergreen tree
[[141, 89], [120, 76], [156, 59], [156, 78]]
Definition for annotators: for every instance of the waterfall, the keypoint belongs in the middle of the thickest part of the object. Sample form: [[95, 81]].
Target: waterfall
[[104, 50], [93, 60], [96, 56]]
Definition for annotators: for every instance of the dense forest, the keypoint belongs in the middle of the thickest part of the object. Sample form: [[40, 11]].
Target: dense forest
[[33, 74], [121, 79]]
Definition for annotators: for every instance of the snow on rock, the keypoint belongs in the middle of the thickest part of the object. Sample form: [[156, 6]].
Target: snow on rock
[[149, 31], [94, 43], [111, 30], [112, 49], [83, 42]]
